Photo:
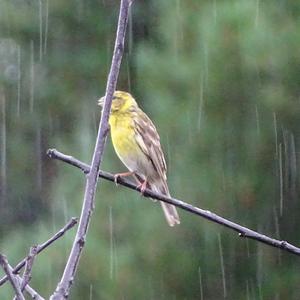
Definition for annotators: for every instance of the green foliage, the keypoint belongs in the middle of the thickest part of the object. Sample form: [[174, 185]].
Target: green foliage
[[220, 79]]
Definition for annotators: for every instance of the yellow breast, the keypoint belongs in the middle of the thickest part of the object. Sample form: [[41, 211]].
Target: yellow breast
[[123, 138]]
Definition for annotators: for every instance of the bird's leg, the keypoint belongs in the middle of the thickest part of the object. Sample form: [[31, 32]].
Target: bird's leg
[[118, 175], [143, 186], [137, 180]]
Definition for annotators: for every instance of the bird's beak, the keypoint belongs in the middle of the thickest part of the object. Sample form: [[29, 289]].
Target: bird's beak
[[101, 101]]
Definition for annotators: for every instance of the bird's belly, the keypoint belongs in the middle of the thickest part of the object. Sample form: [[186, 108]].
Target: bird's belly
[[127, 149], [131, 155]]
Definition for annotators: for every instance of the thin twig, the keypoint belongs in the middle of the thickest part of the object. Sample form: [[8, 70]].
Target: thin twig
[[42, 247], [63, 288], [242, 231], [30, 291], [33, 293], [28, 267], [11, 277]]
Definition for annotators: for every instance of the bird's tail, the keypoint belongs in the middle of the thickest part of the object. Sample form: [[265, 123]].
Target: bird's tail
[[170, 211]]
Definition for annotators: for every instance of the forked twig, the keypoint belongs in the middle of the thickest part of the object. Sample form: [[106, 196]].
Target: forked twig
[[42, 247], [11, 277], [28, 267]]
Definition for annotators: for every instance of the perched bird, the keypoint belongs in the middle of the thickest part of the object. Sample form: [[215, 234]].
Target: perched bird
[[137, 144]]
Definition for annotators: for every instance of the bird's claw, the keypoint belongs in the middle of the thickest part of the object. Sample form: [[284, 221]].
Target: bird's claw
[[116, 177]]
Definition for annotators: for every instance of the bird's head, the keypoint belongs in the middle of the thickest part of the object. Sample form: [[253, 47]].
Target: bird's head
[[122, 102]]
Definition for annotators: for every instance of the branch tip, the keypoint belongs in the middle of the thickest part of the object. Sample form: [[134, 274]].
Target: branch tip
[[50, 152]]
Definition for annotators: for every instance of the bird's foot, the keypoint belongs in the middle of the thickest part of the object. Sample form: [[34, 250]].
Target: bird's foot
[[118, 175], [143, 187]]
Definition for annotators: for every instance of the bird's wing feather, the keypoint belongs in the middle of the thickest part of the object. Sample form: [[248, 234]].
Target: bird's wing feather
[[149, 142]]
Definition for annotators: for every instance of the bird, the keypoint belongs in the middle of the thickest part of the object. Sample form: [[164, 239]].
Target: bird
[[137, 144]]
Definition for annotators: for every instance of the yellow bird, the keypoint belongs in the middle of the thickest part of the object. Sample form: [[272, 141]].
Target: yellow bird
[[137, 144]]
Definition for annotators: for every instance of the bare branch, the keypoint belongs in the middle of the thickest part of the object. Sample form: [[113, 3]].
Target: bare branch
[[11, 277], [30, 291], [242, 231], [42, 247], [28, 267], [63, 288], [33, 294]]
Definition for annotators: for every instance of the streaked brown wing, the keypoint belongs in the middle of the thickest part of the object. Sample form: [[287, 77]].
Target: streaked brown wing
[[149, 142]]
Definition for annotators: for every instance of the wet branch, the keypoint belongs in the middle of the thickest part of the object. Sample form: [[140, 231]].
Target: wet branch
[[28, 267], [63, 288], [41, 247], [30, 291], [241, 230], [11, 277]]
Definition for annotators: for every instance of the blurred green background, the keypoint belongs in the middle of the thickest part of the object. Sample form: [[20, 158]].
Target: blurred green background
[[220, 79]]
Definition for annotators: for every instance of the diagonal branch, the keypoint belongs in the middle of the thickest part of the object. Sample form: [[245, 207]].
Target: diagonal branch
[[42, 247], [28, 267], [63, 288], [11, 277], [30, 291], [242, 231]]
